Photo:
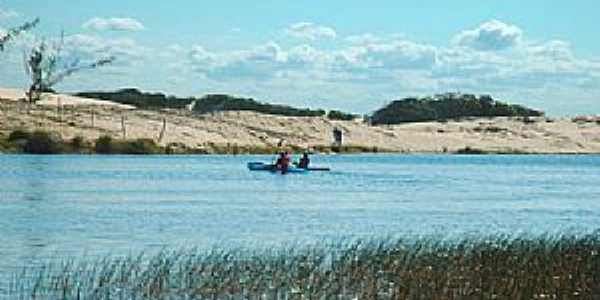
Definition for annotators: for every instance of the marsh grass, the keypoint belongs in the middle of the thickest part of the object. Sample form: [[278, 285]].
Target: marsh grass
[[495, 268]]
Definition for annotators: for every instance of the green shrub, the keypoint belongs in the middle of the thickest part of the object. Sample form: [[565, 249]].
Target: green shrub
[[206, 104], [132, 96], [107, 145], [469, 150], [138, 146], [19, 135], [214, 103], [6, 147], [447, 107], [78, 142], [338, 115], [177, 148], [104, 145], [79, 145], [41, 142]]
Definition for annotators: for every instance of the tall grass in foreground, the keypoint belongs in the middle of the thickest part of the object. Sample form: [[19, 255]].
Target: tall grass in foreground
[[545, 267]]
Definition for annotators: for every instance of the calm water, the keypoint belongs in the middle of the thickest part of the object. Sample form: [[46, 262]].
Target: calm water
[[80, 206]]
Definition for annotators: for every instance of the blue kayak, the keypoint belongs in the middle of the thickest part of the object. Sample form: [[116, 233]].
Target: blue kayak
[[260, 166]]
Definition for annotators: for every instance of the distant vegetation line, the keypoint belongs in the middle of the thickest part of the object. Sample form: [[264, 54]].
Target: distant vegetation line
[[437, 108], [446, 107], [212, 103], [140, 99], [209, 104]]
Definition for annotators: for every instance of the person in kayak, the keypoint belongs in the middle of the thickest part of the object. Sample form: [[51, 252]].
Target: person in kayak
[[304, 161], [283, 162], [279, 160]]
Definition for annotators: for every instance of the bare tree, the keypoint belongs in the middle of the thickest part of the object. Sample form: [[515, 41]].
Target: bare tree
[[46, 66], [14, 32]]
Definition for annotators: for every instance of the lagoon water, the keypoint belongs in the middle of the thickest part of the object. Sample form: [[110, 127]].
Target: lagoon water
[[64, 207]]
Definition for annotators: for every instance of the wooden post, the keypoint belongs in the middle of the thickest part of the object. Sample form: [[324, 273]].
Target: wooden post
[[123, 128], [93, 115], [163, 130], [59, 109]]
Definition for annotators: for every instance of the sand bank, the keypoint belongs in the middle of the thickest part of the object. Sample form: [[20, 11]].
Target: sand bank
[[90, 118]]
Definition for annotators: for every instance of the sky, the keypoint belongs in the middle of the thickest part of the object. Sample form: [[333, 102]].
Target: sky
[[349, 55]]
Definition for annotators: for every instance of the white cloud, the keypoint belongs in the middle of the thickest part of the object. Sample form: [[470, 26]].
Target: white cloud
[[7, 14], [263, 62], [258, 63], [271, 61], [363, 39], [89, 47], [202, 60], [310, 31], [369, 67], [555, 50], [306, 55], [114, 24], [490, 36], [399, 55]]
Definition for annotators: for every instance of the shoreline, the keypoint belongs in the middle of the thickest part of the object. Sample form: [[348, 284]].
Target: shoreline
[[243, 132], [40, 142]]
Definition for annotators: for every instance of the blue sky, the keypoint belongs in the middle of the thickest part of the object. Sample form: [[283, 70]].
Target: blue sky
[[351, 55]]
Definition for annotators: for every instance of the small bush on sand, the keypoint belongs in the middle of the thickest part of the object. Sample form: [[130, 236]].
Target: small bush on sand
[[139, 146], [104, 145], [41, 142], [6, 147], [107, 145], [79, 145], [338, 115], [19, 135], [469, 150], [78, 142]]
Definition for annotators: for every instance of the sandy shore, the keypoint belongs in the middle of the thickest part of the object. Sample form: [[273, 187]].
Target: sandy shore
[[91, 119]]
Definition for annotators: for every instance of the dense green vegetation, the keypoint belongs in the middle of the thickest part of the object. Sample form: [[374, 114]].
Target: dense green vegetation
[[43, 142], [206, 104], [214, 103], [476, 151], [488, 268], [446, 107], [338, 115], [440, 107], [141, 100], [108, 145], [37, 142]]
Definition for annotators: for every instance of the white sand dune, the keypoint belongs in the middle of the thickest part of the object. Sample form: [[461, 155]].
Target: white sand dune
[[91, 118], [59, 99]]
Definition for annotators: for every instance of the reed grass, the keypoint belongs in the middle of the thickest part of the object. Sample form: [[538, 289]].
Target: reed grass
[[544, 267]]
